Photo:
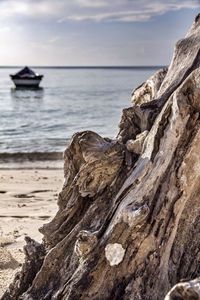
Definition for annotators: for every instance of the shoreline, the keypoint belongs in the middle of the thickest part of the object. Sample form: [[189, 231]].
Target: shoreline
[[34, 165], [30, 156], [31, 161]]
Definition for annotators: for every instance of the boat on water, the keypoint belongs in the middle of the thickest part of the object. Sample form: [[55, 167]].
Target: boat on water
[[26, 78]]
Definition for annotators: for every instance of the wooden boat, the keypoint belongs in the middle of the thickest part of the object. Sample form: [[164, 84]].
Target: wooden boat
[[26, 78]]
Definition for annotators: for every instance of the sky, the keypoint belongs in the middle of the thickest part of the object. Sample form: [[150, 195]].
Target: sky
[[92, 32]]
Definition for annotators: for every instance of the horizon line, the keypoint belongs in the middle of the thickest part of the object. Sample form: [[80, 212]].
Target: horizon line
[[87, 67]]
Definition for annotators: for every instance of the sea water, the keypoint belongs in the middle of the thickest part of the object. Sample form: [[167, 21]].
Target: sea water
[[69, 100]]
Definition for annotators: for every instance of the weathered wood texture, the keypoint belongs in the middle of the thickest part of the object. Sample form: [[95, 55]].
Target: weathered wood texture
[[185, 290], [128, 224]]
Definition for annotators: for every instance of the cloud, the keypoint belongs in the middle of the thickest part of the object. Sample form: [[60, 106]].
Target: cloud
[[91, 10], [134, 11], [128, 10], [30, 8], [125, 16], [5, 29], [92, 3]]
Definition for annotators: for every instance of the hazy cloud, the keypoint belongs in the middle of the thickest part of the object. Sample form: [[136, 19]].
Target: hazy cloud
[[92, 10], [92, 3], [32, 29], [133, 11]]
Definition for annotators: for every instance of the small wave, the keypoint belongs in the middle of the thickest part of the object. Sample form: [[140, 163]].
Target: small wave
[[30, 156]]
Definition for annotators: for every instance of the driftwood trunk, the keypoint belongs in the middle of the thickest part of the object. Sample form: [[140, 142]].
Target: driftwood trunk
[[128, 224]]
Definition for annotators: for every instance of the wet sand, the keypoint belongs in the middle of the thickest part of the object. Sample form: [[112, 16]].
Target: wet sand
[[28, 199]]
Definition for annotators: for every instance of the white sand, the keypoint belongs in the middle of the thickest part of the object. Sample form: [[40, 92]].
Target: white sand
[[28, 199]]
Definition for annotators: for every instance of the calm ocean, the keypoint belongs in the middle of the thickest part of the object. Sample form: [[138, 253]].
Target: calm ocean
[[70, 100]]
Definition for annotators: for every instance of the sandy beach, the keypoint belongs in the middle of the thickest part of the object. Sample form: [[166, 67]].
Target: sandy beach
[[28, 199]]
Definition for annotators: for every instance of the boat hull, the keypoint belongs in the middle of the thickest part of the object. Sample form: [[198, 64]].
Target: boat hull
[[26, 82]]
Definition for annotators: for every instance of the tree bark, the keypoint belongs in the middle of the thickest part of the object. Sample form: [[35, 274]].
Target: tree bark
[[128, 223]]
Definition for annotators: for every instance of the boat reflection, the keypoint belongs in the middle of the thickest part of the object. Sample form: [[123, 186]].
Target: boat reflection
[[27, 93]]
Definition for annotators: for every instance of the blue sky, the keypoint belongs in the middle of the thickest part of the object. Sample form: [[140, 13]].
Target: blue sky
[[92, 32]]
